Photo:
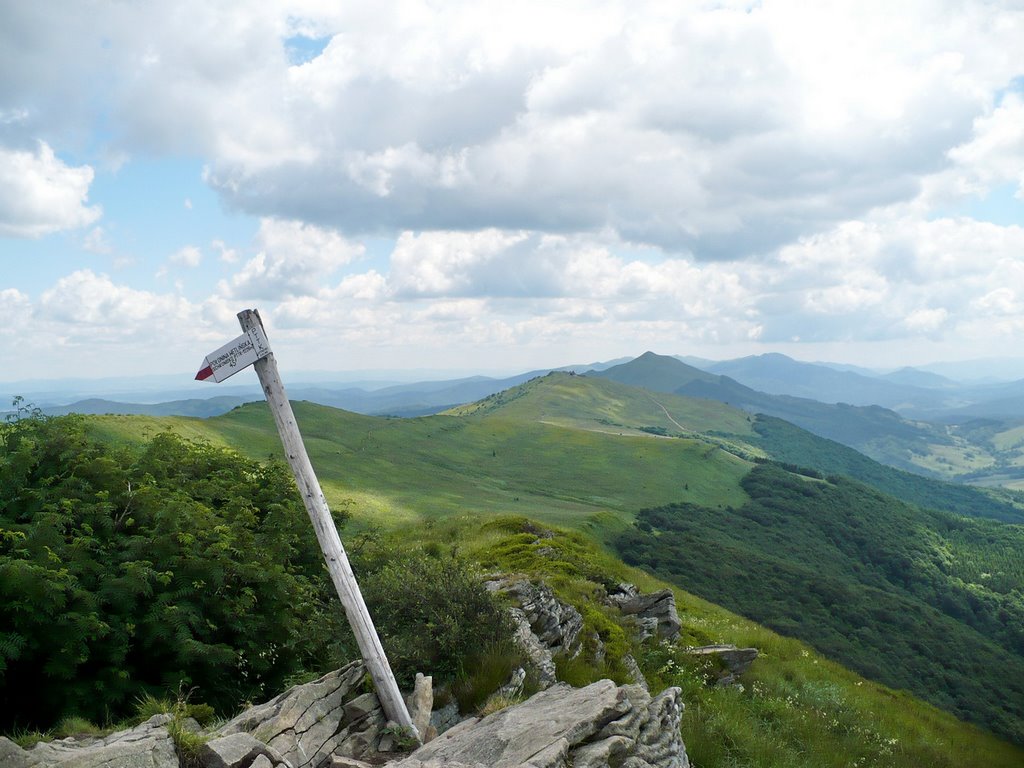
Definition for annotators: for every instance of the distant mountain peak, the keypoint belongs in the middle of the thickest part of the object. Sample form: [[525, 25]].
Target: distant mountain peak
[[660, 373]]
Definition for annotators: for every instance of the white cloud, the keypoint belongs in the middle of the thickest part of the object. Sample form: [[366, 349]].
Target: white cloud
[[294, 259], [564, 173], [11, 116], [95, 241], [226, 254], [188, 256], [86, 324], [91, 303], [722, 129], [892, 278], [995, 153], [39, 194], [15, 311]]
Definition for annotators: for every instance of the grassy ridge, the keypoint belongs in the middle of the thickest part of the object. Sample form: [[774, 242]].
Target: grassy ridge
[[518, 454], [928, 449]]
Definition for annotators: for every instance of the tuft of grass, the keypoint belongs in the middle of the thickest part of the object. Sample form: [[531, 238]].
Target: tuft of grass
[[188, 743], [148, 705], [498, 702], [26, 739], [484, 674], [77, 726]]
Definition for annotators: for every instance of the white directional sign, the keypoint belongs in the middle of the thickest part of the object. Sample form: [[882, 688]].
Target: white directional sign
[[234, 356]]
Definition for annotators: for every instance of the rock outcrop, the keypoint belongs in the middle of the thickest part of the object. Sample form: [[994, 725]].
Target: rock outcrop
[[655, 613], [730, 661], [599, 726], [421, 705], [146, 746], [308, 723], [240, 750], [332, 722], [544, 625]]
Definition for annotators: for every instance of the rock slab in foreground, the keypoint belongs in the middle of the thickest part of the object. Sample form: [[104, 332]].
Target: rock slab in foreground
[[239, 750], [599, 726], [308, 723], [146, 746]]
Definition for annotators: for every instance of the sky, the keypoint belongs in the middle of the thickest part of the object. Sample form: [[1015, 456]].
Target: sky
[[501, 186]]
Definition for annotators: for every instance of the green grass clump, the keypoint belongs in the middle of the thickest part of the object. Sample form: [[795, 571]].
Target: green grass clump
[[498, 702], [485, 672], [26, 738], [77, 726], [187, 740]]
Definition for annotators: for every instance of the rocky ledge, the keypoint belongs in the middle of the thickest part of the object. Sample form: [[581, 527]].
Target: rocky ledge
[[598, 726], [334, 721]]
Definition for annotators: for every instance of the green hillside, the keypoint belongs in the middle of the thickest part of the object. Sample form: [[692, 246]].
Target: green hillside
[[788, 443], [564, 449], [918, 599], [984, 453], [917, 446]]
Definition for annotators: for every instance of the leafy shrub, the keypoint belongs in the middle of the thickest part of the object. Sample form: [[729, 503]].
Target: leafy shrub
[[124, 574], [431, 610]]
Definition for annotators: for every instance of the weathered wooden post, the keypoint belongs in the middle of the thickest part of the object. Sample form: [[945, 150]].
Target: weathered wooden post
[[252, 348]]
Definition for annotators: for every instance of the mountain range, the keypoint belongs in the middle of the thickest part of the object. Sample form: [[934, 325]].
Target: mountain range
[[911, 419]]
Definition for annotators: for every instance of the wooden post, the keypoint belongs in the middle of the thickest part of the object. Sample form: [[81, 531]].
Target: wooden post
[[326, 532]]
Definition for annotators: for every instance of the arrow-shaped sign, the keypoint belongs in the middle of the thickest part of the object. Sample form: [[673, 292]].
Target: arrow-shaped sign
[[234, 356]]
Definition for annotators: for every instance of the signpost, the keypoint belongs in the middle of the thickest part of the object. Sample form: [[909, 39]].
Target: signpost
[[234, 356], [252, 348]]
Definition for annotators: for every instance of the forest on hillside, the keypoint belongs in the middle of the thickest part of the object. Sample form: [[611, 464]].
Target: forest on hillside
[[918, 599]]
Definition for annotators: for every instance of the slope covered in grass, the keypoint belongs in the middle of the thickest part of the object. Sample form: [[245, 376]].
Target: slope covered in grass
[[562, 448], [130, 537], [786, 442], [917, 446], [792, 708]]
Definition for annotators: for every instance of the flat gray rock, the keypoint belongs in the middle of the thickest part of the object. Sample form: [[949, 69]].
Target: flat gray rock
[[239, 750], [308, 723], [599, 726], [147, 745]]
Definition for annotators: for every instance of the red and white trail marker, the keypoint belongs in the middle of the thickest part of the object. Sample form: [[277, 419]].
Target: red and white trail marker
[[234, 356]]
